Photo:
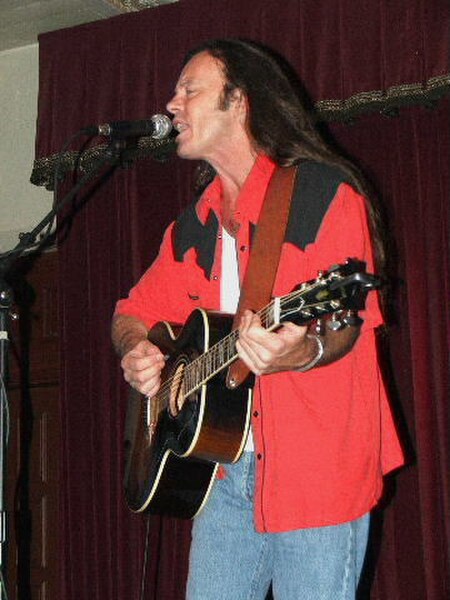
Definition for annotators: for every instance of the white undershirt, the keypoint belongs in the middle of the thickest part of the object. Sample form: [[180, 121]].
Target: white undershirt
[[230, 290]]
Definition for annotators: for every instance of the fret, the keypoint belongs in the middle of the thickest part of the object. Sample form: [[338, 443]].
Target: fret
[[200, 369], [221, 353], [192, 376], [188, 378], [209, 364]]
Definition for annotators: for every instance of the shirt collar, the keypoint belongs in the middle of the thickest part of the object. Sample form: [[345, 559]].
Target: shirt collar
[[251, 195]]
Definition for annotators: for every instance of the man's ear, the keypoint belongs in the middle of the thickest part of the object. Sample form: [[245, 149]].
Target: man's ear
[[241, 103]]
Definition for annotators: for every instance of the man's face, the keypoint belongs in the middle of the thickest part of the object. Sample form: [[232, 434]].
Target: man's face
[[205, 130]]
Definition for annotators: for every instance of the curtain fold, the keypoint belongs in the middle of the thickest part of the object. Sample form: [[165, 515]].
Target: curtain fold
[[355, 58], [407, 165], [123, 67]]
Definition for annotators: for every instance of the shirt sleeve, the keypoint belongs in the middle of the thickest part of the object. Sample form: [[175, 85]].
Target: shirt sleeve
[[156, 296], [344, 233]]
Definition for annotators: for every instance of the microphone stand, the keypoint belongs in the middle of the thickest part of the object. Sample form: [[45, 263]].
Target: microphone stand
[[112, 156]]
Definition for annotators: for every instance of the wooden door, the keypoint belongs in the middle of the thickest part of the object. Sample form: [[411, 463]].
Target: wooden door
[[35, 439]]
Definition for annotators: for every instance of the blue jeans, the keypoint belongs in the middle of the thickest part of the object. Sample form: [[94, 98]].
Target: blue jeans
[[229, 560]]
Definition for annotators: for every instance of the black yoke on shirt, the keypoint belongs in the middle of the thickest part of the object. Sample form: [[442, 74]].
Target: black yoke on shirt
[[316, 186]]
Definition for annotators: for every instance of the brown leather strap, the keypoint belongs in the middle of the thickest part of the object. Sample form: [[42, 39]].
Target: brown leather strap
[[259, 278]]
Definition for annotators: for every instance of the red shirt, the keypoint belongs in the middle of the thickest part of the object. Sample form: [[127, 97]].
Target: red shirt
[[324, 438]]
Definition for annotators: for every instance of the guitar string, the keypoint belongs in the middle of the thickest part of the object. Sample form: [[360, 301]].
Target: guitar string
[[215, 351], [200, 364], [192, 369]]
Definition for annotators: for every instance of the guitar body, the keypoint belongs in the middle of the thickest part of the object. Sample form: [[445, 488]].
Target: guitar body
[[175, 440]]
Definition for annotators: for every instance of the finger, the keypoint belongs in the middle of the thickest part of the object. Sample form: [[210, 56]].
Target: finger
[[148, 384], [247, 358], [249, 319], [140, 362], [143, 349], [263, 343], [150, 388], [146, 378], [289, 328], [264, 352], [257, 357], [250, 330]]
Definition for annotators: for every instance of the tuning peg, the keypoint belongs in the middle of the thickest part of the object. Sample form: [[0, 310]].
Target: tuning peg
[[318, 327], [335, 323], [351, 319]]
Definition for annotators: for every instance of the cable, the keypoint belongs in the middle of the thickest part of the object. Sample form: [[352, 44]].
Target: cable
[[145, 559], [4, 406]]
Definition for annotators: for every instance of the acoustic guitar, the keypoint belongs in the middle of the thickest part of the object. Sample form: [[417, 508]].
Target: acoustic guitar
[[175, 440]]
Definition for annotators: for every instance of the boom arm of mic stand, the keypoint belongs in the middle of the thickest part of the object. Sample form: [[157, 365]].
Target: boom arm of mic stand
[[111, 156]]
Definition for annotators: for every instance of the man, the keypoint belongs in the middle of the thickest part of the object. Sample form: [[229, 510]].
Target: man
[[294, 510]]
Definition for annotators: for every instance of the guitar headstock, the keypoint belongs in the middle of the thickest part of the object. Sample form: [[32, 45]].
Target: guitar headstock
[[341, 291]]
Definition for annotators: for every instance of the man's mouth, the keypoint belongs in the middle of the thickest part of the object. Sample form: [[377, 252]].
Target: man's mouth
[[180, 126]]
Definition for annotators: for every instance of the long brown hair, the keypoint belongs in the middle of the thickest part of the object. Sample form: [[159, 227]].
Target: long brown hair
[[278, 121]]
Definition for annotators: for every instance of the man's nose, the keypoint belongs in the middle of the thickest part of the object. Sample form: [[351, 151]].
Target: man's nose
[[173, 105]]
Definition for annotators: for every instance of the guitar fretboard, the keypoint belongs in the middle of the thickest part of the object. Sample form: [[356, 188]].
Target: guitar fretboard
[[329, 293], [223, 353]]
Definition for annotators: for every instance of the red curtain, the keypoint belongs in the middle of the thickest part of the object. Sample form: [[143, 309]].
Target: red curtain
[[360, 61]]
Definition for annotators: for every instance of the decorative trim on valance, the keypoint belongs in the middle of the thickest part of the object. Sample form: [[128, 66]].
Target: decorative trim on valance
[[138, 5], [44, 168], [386, 102]]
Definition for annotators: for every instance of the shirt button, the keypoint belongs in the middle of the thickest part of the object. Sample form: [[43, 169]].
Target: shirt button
[[215, 277], [259, 456], [243, 248], [256, 413]]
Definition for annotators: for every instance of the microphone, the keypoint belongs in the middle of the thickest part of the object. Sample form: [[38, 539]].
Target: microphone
[[157, 127]]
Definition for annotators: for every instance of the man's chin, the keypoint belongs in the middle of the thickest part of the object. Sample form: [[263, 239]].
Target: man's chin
[[184, 152]]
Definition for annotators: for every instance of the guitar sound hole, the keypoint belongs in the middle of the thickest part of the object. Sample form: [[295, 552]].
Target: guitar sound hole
[[176, 396]]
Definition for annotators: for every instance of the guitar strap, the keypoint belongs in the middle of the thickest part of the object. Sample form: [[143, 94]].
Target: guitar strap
[[265, 254]]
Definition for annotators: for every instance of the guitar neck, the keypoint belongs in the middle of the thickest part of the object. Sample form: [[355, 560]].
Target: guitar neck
[[343, 288], [224, 352]]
